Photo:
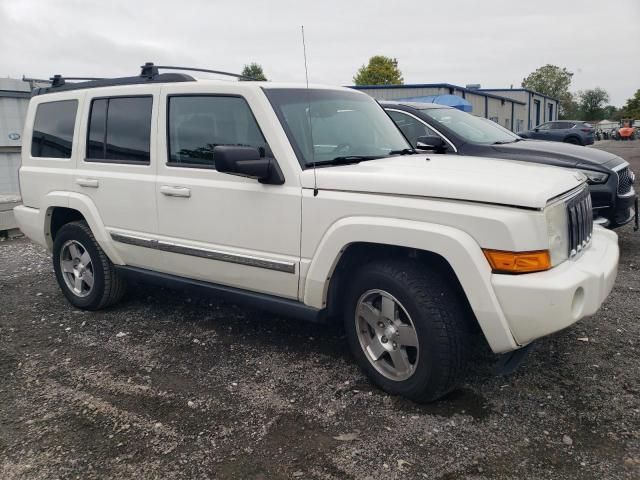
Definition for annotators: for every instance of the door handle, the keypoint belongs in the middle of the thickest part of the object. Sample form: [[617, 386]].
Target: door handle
[[171, 191], [88, 182]]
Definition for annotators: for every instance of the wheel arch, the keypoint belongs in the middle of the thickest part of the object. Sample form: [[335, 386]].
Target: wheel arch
[[65, 207], [353, 241], [573, 136]]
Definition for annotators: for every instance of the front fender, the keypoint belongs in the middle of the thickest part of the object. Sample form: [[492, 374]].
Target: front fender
[[458, 248]]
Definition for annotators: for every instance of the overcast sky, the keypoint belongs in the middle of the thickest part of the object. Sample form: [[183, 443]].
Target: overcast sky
[[494, 42]]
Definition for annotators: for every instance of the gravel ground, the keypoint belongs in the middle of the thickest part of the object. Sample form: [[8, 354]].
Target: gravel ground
[[172, 386]]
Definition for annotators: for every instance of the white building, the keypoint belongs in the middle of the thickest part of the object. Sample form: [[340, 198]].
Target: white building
[[540, 108]]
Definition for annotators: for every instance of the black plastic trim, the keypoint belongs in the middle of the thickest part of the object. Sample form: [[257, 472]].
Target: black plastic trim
[[112, 82], [271, 303]]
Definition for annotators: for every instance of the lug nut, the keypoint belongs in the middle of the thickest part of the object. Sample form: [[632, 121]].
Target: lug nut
[[381, 325], [395, 345], [384, 340]]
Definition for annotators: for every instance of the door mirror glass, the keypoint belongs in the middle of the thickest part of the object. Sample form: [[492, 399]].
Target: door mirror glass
[[433, 143], [247, 162]]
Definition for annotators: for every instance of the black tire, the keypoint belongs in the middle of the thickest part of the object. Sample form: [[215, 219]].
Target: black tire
[[573, 141], [108, 286], [438, 314]]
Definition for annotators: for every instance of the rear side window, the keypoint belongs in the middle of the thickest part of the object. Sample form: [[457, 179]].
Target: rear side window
[[197, 124], [120, 130], [53, 129]]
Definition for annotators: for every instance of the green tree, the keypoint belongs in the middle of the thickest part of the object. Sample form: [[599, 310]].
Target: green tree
[[553, 81], [381, 70], [570, 108], [631, 109], [591, 103], [253, 71], [610, 112]]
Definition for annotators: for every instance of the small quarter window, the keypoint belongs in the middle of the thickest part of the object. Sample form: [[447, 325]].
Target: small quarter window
[[197, 124], [120, 130], [53, 129]]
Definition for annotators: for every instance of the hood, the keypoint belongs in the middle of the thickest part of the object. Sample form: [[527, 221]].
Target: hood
[[556, 153], [457, 177]]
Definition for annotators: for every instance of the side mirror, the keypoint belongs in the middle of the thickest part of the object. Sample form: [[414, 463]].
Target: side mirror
[[432, 142], [536, 129], [247, 162]]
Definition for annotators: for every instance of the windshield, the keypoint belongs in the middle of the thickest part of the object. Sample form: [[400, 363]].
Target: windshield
[[471, 128], [328, 125]]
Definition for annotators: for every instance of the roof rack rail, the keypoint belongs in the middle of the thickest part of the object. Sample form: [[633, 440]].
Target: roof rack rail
[[149, 73], [149, 69]]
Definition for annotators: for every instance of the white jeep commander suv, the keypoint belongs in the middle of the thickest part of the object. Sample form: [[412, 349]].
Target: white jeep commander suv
[[309, 202]]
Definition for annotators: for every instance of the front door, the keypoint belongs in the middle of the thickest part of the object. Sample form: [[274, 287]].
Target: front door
[[218, 227]]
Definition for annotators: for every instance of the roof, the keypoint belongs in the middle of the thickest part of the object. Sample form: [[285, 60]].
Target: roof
[[480, 92], [416, 105], [518, 90], [454, 101], [14, 88]]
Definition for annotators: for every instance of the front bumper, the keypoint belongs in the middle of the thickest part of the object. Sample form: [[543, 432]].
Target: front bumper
[[612, 210], [538, 304]]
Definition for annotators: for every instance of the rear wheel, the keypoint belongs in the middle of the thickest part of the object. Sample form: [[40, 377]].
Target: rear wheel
[[85, 274], [573, 141], [406, 329]]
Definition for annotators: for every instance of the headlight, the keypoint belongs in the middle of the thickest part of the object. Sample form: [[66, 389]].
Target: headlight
[[558, 231], [594, 177]]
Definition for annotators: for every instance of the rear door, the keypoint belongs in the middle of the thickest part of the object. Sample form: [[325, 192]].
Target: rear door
[[116, 166], [214, 226]]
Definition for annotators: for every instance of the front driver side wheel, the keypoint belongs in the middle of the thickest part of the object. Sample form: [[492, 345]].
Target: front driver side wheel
[[84, 273]]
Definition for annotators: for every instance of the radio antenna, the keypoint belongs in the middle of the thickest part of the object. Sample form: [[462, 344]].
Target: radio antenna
[[313, 153]]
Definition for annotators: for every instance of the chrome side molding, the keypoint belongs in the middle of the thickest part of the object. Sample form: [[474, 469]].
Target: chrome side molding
[[251, 261]]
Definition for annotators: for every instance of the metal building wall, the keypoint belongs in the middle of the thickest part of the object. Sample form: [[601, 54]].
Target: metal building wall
[[14, 99], [530, 98], [502, 110]]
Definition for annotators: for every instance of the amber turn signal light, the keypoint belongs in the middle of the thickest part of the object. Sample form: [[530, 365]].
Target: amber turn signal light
[[518, 262]]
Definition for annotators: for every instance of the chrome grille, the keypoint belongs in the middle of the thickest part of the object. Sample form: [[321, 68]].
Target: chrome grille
[[580, 217], [625, 180]]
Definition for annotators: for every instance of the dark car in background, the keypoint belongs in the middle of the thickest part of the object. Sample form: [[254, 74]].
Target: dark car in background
[[567, 131], [445, 129]]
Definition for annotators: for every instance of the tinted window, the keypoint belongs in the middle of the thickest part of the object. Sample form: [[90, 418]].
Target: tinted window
[[197, 124], [120, 129], [470, 128], [411, 127], [97, 129], [53, 129]]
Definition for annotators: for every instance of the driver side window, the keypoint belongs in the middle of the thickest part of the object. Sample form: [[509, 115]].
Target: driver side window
[[411, 127], [545, 126]]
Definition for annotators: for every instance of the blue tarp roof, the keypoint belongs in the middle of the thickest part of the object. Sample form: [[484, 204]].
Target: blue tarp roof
[[450, 100]]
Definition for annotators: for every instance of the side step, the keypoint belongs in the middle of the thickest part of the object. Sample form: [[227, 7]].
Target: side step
[[261, 301]]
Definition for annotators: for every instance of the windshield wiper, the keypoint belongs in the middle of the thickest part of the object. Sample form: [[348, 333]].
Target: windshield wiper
[[345, 160], [404, 151]]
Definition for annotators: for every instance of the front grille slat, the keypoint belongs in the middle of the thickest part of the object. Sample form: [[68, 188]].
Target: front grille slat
[[580, 217], [624, 181]]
